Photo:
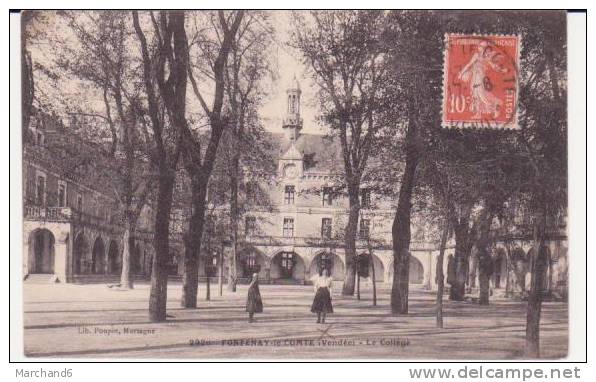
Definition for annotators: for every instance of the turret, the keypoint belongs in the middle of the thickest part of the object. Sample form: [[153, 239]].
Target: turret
[[292, 122]]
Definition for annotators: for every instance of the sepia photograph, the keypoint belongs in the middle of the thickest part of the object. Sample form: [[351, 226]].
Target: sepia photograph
[[294, 185]]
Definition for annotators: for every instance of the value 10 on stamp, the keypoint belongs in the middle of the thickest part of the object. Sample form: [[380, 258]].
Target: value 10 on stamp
[[480, 81]]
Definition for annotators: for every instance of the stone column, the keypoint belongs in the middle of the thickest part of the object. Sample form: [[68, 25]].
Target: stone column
[[106, 257], [26, 255], [427, 272], [388, 272], [60, 256], [432, 271]]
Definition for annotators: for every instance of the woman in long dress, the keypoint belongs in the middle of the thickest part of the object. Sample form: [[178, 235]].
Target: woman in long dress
[[321, 305], [254, 304]]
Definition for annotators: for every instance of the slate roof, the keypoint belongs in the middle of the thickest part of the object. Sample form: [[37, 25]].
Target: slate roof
[[321, 154]]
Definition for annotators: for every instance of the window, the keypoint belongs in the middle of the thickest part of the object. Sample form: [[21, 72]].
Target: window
[[364, 228], [61, 194], [251, 261], [288, 227], [325, 262], [31, 193], [287, 260], [80, 202], [289, 195], [365, 198], [326, 228], [250, 223], [40, 196], [327, 196]]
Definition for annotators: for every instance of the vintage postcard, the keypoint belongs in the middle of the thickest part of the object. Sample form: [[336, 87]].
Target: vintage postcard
[[294, 185]]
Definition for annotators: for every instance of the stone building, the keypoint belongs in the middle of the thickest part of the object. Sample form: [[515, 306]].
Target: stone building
[[297, 231], [292, 230], [71, 227]]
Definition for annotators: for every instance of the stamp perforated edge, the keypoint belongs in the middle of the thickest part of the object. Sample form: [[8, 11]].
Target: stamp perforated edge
[[468, 126]]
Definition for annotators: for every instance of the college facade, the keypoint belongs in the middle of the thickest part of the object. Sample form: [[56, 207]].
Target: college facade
[[71, 235]]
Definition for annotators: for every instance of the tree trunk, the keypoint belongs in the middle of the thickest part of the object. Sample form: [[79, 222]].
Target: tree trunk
[[192, 244], [208, 289], [472, 270], [508, 269], [485, 261], [234, 216], [161, 242], [462, 254], [27, 85], [484, 280], [401, 236], [126, 280], [358, 285], [231, 272], [27, 79], [350, 239], [220, 276], [374, 277], [440, 276], [534, 306]]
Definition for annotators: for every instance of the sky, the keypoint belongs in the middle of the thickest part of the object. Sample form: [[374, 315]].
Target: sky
[[286, 61], [289, 65]]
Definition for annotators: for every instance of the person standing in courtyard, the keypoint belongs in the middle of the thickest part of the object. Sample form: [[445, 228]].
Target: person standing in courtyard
[[321, 305], [254, 304]]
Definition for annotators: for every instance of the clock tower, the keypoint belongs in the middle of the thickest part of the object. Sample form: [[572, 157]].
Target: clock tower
[[292, 122], [291, 163]]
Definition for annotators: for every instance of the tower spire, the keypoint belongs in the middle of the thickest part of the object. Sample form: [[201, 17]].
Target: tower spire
[[292, 122]]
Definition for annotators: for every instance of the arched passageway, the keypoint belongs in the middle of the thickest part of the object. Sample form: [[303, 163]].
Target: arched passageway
[[252, 261], [175, 263], [98, 257], [416, 271], [114, 260], [81, 262], [500, 267], [376, 264], [41, 251], [520, 265], [330, 261], [135, 260], [287, 266], [416, 274]]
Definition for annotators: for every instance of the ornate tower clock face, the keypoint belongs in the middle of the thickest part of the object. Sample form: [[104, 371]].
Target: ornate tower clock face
[[290, 171]]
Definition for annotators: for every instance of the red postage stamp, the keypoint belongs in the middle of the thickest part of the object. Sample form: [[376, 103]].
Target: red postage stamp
[[480, 81]]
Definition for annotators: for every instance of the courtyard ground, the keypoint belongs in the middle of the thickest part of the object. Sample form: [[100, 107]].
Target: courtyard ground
[[94, 321]]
